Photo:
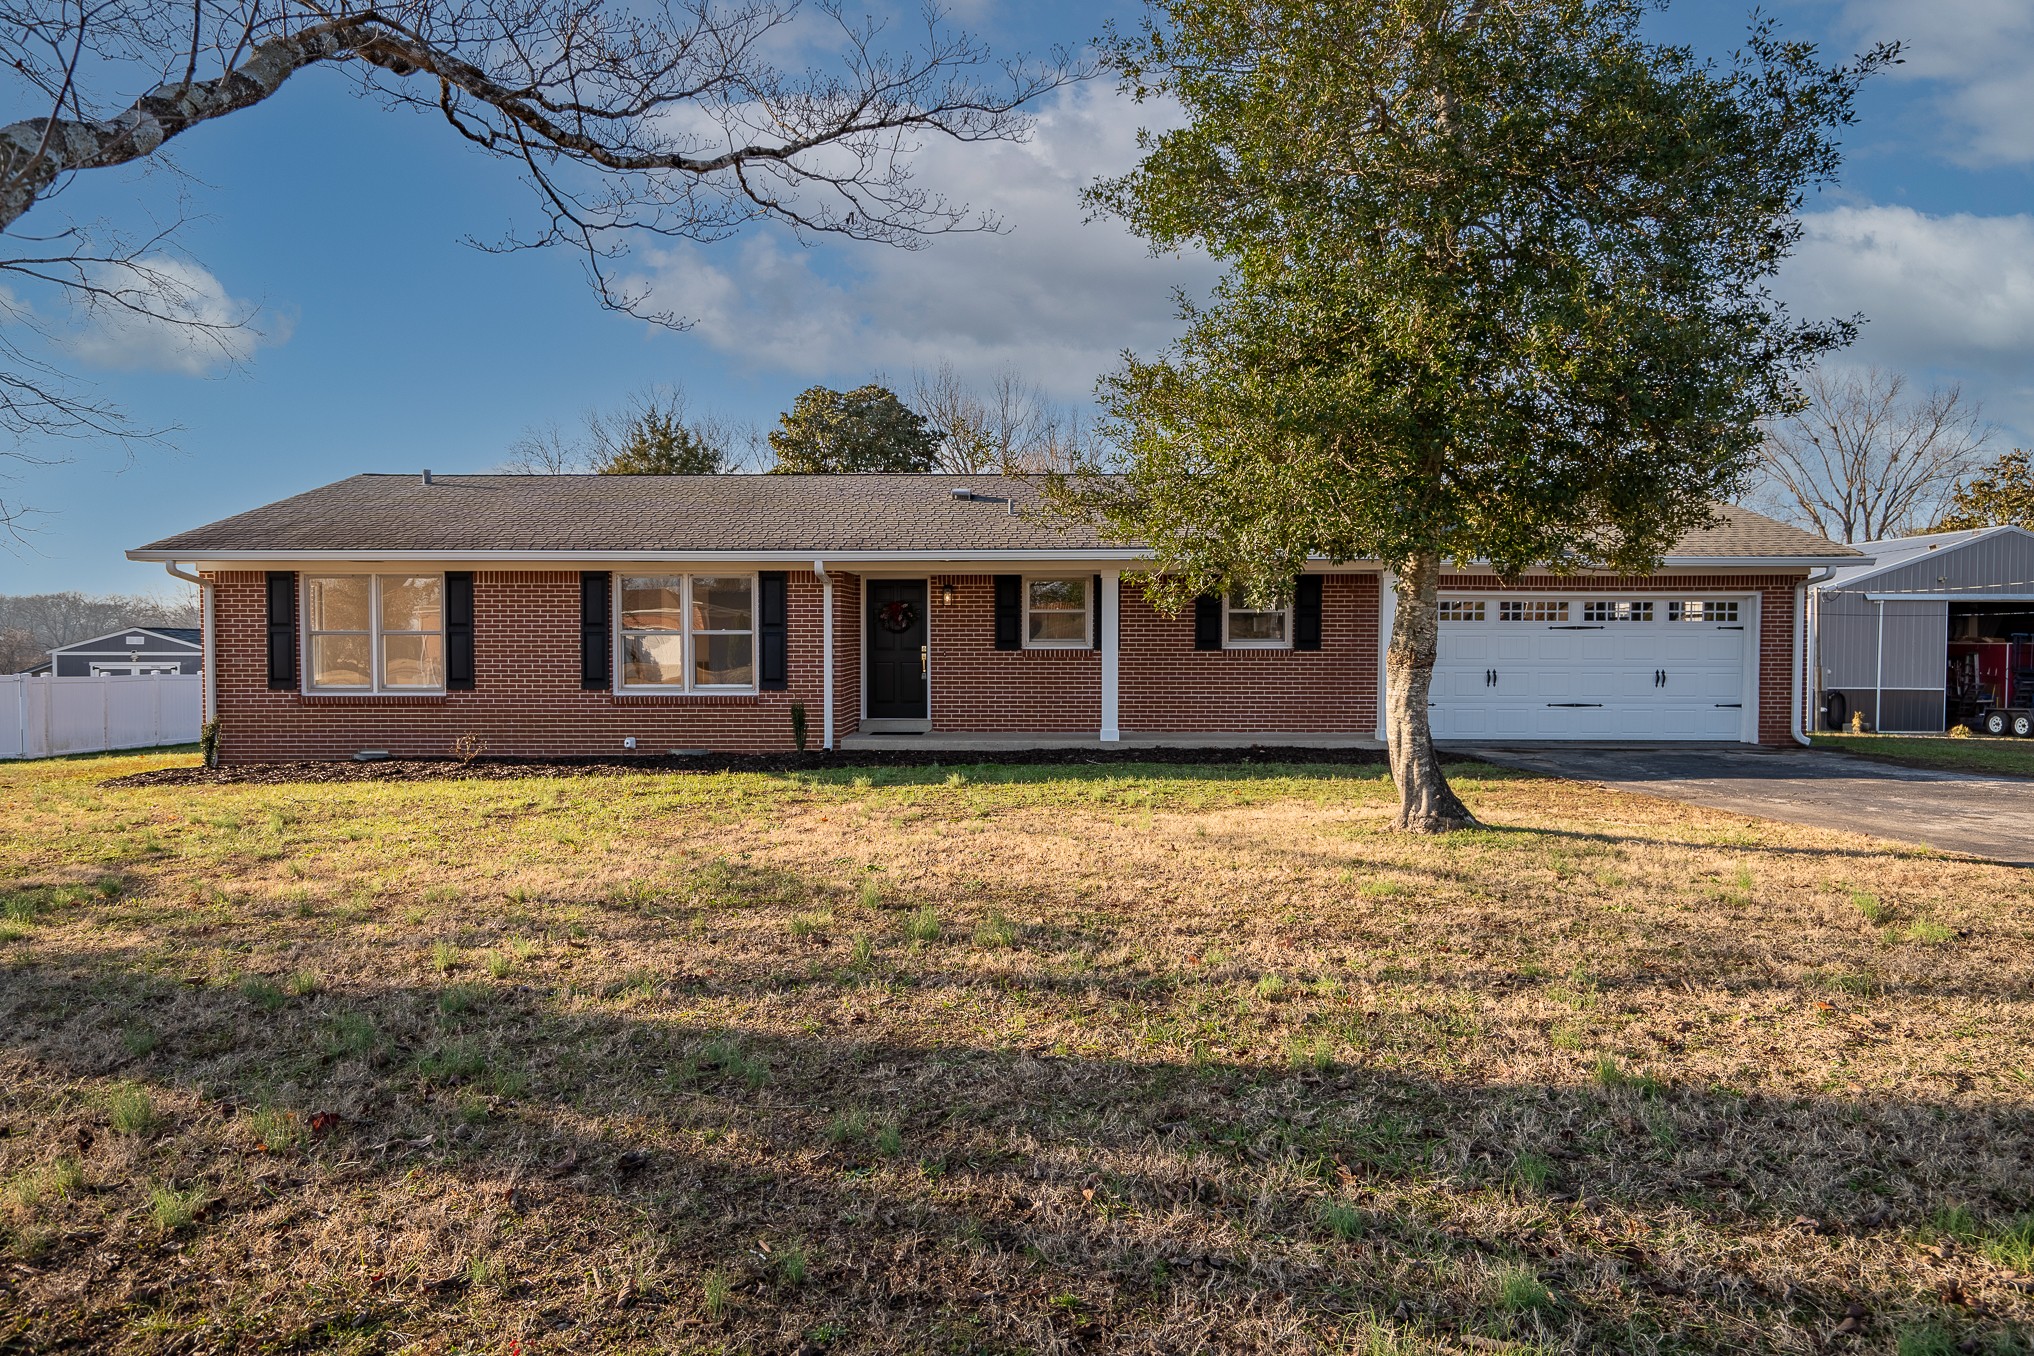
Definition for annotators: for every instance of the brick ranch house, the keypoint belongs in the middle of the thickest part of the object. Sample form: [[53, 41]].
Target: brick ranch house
[[573, 615]]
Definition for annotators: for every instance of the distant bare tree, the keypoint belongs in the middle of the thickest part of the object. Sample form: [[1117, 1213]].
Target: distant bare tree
[[629, 438], [1865, 460], [33, 624], [679, 118], [1011, 426]]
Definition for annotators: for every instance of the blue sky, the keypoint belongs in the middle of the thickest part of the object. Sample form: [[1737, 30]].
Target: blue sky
[[388, 344]]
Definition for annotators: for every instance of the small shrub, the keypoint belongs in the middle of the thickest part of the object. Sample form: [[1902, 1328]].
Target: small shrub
[[208, 743], [1857, 722], [131, 1111], [1519, 1291], [923, 925], [799, 731], [468, 747], [172, 1209], [1959, 732], [995, 931]]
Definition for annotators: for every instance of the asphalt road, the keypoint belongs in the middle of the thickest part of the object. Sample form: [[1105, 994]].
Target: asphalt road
[[1953, 811]]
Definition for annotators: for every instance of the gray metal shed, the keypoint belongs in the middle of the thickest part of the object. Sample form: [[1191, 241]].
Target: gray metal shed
[[1885, 632], [138, 649]]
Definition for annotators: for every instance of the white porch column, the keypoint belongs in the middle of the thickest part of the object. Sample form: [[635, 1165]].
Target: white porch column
[[1387, 617], [826, 655], [1112, 581]]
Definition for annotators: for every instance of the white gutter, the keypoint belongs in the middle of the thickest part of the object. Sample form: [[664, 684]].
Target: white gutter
[[1806, 638], [208, 680], [1971, 597], [367, 555], [826, 656]]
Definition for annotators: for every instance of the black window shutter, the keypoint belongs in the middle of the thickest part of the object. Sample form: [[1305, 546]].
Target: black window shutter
[[596, 635], [1095, 606], [773, 664], [1009, 612], [282, 629], [459, 630], [1207, 622], [1306, 613]]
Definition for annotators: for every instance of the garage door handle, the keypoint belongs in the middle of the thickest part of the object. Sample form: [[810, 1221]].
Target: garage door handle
[[1490, 677], [1730, 706], [1592, 704]]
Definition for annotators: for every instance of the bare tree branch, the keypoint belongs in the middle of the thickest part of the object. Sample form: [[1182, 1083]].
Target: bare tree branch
[[1863, 460]]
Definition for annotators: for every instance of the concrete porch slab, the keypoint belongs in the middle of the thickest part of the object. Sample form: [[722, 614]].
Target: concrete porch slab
[[964, 742]]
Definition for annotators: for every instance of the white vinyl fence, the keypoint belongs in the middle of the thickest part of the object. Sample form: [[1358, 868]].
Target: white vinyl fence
[[41, 716]]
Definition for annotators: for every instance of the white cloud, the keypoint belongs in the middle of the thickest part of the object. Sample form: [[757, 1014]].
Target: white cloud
[[181, 319], [1054, 297], [1979, 52], [1949, 297]]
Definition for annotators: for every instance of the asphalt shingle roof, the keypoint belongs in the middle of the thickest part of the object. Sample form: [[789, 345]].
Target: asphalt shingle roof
[[792, 515]]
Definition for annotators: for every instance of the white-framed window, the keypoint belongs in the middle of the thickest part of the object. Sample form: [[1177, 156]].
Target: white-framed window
[[687, 632], [374, 632], [1056, 615], [1704, 610], [1532, 610], [1248, 627], [1608, 610], [1461, 610]]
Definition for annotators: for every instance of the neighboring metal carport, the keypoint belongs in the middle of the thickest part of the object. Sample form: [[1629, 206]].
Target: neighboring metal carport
[[1883, 632]]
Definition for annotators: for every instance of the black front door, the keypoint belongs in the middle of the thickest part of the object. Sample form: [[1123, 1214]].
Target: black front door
[[897, 649]]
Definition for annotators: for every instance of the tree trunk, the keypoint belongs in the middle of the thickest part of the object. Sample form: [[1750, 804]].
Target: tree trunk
[[1426, 803]]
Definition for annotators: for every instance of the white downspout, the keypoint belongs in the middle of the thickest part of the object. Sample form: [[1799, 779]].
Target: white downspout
[[826, 655], [1805, 641], [1879, 676], [1387, 618], [208, 681]]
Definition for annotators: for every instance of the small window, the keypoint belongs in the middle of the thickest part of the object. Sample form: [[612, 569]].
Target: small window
[[1707, 610], [1456, 611], [375, 632], [1246, 627], [1528, 610], [1606, 611], [1056, 614], [688, 632]]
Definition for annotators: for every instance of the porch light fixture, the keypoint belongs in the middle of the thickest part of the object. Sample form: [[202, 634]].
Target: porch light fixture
[[946, 595]]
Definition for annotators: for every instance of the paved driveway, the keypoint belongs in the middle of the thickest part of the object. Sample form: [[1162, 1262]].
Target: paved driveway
[[1955, 811]]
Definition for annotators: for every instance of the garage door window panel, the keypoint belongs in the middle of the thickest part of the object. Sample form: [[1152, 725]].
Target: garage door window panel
[[1531, 610]]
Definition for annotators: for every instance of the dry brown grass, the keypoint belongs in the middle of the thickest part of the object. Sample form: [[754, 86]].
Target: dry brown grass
[[997, 1060]]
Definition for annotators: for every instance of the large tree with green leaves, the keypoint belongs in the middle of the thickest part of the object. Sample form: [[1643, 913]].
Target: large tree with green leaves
[[866, 429], [1495, 291], [2002, 493]]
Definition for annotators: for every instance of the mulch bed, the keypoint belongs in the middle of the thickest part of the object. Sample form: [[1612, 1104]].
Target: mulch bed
[[503, 769]]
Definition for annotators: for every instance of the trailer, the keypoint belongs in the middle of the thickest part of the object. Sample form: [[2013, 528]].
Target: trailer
[[1991, 685]]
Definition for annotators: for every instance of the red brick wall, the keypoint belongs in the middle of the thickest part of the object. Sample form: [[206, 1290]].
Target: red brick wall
[[1776, 622], [527, 700], [1167, 685], [976, 686]]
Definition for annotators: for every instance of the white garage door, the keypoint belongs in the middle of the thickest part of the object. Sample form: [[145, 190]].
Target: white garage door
[[1592, 668]]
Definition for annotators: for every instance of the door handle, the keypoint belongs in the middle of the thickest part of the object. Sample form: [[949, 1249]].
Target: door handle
[[922, 660]]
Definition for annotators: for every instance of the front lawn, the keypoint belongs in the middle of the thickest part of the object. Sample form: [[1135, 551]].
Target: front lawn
[[2010, 757], [991, 1059]]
